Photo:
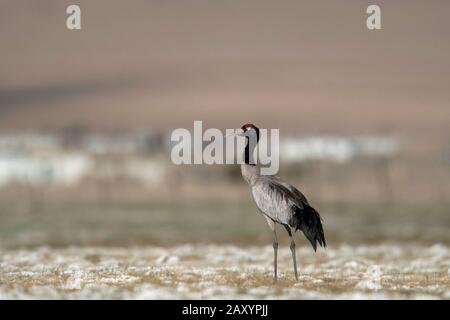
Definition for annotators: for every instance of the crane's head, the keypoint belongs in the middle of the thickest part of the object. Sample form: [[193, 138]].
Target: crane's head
[[251, 134], [250, 131]]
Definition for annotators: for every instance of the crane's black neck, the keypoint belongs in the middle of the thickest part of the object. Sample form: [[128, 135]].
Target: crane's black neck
[[249, 150]]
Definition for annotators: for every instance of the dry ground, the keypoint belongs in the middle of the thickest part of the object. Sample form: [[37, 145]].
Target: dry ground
[[218, 250], [226, 271]]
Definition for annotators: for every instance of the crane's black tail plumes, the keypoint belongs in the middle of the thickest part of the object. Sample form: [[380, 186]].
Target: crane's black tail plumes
[[308, 220]]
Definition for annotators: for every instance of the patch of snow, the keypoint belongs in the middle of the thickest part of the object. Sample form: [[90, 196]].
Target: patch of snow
[[371, 279], [75, 281]]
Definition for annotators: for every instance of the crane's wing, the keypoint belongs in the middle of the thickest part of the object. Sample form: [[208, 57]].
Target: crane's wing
[[285, 204], [297, 194]]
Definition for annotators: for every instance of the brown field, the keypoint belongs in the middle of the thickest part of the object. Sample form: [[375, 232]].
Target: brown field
[[304, 67]]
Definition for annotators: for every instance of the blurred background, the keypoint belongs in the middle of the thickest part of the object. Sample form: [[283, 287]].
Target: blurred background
[[86, 117]]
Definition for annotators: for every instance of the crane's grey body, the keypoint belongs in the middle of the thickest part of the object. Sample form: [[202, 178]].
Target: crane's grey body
[[281, 203], [269, 195]]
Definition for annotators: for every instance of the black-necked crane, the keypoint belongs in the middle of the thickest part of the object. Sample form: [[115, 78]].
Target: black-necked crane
[[279, 202]]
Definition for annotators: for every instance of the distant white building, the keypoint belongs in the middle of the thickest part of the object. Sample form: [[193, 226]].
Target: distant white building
[[38, 159], [43, 169], [42, 159], [337, 148]]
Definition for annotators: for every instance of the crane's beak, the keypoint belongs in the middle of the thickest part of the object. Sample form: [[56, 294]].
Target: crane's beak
[[239, 133]]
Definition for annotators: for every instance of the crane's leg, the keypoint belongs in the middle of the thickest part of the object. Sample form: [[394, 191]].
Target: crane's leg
[[275, 251], [294, 260], [275, 247]]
